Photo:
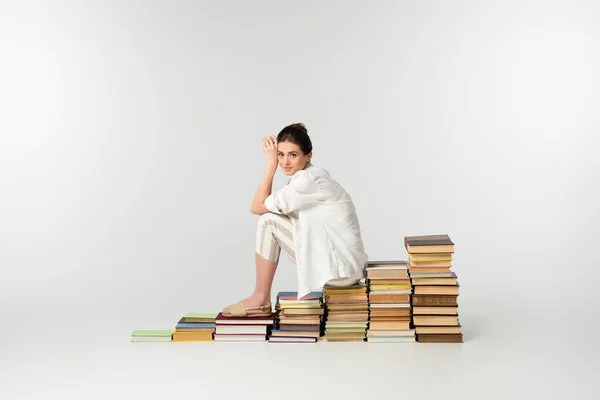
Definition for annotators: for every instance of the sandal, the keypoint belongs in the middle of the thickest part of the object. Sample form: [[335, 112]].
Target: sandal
[[239, 309]]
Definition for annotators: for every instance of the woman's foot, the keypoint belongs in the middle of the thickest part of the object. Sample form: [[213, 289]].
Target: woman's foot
[[253, 303]]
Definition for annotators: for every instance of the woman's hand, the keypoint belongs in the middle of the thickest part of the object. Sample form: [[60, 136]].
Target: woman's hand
[[270, 150]]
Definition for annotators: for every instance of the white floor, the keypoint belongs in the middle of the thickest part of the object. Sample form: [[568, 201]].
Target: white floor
[[507, 354]]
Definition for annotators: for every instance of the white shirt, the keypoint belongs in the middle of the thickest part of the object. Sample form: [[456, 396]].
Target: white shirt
[[327, 237]]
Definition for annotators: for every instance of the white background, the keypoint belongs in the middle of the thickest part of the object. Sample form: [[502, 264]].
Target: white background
[[130, 151]]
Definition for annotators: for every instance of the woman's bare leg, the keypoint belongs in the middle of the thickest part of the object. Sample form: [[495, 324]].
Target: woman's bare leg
[[265, 272]]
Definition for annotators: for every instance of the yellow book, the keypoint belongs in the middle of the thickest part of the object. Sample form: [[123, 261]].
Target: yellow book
[[430, 257], [390, 286]]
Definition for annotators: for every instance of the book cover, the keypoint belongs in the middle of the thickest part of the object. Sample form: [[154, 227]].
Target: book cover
[[428, 240], [152, 332]]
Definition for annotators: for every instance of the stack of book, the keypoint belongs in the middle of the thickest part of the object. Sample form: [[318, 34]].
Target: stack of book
[[243, 329], [347, 313], [148, 335], [435, 307], [195, 327], [298, 320], [389, 302]]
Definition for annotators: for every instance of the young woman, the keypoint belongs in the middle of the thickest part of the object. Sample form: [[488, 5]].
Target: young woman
[[312, 219]]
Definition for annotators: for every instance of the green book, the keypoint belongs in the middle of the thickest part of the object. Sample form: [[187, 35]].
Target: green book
[[201, 315], [152, 332]]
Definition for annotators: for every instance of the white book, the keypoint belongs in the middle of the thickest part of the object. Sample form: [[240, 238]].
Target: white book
[[292, 339], [239, 338], [391, 340], [242, 329], [372, 333]]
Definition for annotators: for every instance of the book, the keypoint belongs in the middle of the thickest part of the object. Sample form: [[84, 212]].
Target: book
[[430, 257], [436, 289], [418, 310], [192, 336], [434, 338], [449, 280], [435, 320], [434, 300], [430, 264], [294, 296], [390, 264], [239, 338], [250, 320], [391, 339], [429, 244], [438, 329], [199, 317], [291, 339], [183, 324], [152, 332], [242, 329], [151, 335]]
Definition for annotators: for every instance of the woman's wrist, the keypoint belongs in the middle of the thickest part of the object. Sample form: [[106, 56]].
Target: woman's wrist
[[271, 167]]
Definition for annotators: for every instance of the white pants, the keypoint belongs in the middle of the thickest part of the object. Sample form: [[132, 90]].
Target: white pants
[[275, 232]]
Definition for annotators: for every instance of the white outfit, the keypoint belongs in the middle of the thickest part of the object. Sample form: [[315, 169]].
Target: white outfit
[[327, 238]]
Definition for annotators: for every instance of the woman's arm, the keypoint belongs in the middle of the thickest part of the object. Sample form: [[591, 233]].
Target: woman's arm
[[263, 191], [266, 184]]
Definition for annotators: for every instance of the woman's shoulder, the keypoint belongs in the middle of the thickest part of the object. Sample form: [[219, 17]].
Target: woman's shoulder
[[314, 172]]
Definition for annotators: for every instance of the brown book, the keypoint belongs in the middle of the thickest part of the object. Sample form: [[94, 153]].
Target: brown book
[[444, 263], [451, 280], [435, 320], [387, 274], [389, 298], [303, 311], [391, 263], [401, 281], [390, 312], [443, 330], [300, 321], [389, 325], [433, 301], [348, 307], [436, 289], [346, 299], [448, 338], [249, 320], [416, 270], [429, 244], [290, 327], [387, 318], [417, 310], [430, 256]]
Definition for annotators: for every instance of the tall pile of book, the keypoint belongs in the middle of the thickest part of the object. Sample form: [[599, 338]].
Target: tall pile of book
[[389, 302], [347, 313], [297, 320], [243, 329], [435, 306], [195, 327]]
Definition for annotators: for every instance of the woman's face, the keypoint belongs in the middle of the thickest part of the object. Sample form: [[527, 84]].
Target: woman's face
[[290, 157]]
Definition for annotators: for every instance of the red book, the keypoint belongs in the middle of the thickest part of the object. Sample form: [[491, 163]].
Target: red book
[[250, 320]]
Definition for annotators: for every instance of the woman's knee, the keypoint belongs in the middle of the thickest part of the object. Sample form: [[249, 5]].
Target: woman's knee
[[270, 218], [265, 218]]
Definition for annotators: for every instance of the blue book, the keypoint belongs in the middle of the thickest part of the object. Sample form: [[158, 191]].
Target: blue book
[[183, 324], [294, 295]]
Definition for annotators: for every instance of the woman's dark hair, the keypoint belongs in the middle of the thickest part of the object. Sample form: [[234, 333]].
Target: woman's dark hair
[[297, 134]]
